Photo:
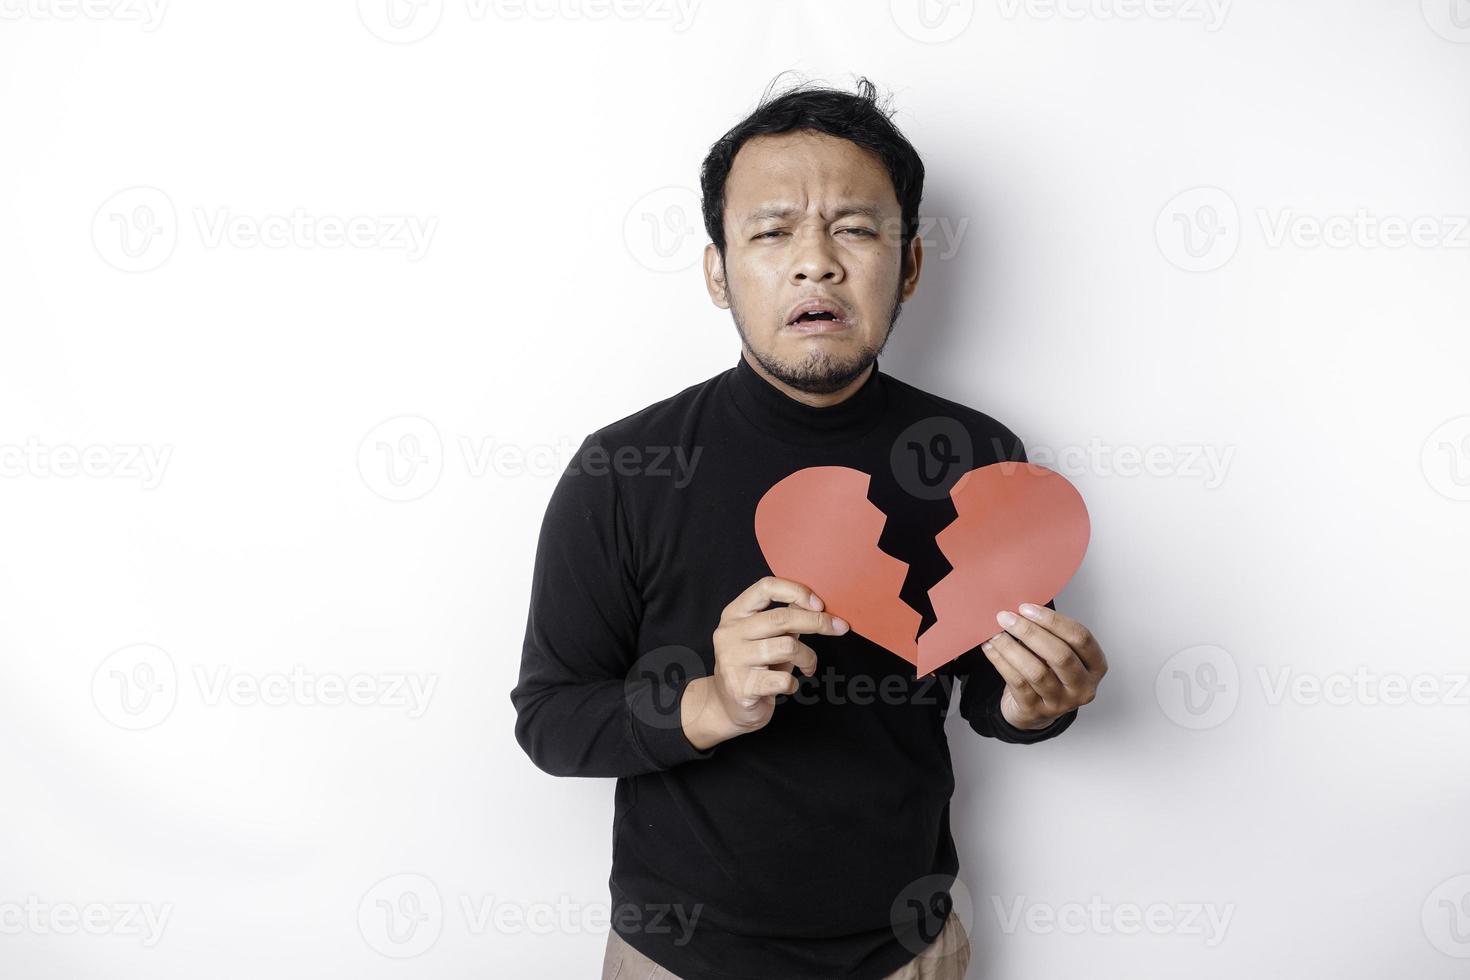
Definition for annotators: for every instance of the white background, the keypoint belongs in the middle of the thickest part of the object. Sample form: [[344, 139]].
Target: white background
[[353, 444]]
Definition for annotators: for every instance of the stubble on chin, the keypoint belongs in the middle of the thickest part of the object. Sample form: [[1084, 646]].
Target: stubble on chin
[[819, 372]]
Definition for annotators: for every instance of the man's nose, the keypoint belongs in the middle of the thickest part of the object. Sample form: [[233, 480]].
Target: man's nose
[[815, 258]]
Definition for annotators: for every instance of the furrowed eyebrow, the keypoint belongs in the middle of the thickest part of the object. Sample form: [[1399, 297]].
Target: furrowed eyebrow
[[846, 210]]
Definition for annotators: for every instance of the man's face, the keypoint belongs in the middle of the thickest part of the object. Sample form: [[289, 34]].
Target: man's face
[[791, 235]]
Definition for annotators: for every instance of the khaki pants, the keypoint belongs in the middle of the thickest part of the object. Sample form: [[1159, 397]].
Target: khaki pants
[[946, 958]]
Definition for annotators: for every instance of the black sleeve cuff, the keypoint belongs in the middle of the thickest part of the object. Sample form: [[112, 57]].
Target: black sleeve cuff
[[1007, 732], [656, 717]]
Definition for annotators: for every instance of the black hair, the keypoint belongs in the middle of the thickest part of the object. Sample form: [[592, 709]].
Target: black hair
[[859, 117]]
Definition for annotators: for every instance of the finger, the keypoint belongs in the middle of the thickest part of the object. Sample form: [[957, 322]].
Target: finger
[[1078, 637], [789, 619], [1035, 673], [770, 682], [1049, 647], [785, 652], [765, 591], [1032, 706], [760, 682], [1021, 690]]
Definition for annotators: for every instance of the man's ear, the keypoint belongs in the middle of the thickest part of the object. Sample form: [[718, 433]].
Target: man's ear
[[913, 262], [714, 277]]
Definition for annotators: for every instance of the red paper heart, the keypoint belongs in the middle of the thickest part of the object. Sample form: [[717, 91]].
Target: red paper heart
[[1019, 536]]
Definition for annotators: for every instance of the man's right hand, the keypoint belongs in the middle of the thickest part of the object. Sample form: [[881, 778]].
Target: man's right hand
[[756, 650]]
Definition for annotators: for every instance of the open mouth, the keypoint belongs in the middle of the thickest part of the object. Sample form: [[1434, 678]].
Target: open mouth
[[821, 322], [817, 315], [810, 317]]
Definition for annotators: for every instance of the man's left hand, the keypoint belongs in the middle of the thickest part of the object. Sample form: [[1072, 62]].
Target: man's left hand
[[1051, 664]]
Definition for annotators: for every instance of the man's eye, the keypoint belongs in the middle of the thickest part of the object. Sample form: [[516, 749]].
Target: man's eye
[[861, 231]]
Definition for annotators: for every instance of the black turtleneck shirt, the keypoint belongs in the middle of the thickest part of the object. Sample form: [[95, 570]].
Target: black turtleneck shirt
[[818, 846]]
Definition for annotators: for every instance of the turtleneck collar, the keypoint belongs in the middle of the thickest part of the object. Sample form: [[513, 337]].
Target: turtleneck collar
[[778, 414]]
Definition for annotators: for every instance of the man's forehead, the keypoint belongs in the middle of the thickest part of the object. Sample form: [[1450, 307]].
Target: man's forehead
[[784, 209], [772, 176]]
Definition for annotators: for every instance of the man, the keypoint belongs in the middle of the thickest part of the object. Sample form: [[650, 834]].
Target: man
[[783, 783]]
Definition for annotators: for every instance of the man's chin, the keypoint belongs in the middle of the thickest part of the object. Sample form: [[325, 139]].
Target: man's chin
[[821, 375]]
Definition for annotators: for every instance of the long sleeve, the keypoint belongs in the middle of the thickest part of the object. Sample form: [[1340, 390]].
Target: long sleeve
[[578, 710], [981, 684]]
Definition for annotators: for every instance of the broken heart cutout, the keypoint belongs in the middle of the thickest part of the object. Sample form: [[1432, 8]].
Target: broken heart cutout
[[1019, 536]]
